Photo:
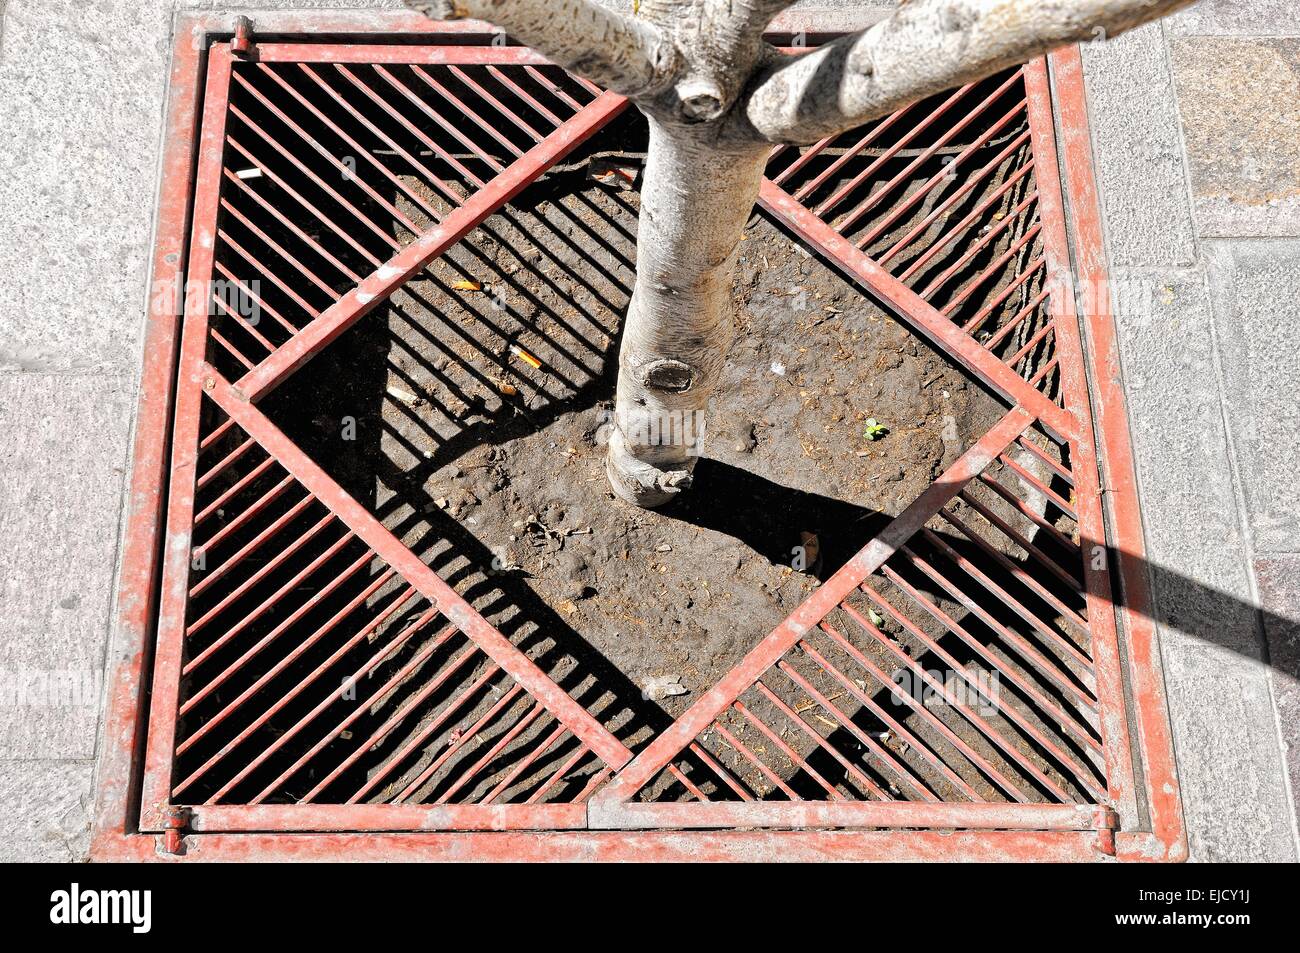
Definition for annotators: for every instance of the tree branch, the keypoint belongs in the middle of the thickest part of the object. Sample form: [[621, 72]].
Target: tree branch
[[927, 46], [626, 55]]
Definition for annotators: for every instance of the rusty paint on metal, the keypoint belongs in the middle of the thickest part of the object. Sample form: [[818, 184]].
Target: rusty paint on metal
[[137, 591], [372, 291], [617, 815], [609, 825], [176, 553], [1065, 320], [1167, 838], [640, 846]]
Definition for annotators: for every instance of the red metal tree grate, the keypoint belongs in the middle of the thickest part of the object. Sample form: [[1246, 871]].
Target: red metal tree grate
[[312, 676]]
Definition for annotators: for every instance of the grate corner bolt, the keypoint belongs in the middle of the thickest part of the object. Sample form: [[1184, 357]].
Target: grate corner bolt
[[242, 44], [175, 819], [1107, 822]]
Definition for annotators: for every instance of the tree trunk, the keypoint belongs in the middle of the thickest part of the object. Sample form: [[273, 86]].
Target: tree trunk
[[696, 196]]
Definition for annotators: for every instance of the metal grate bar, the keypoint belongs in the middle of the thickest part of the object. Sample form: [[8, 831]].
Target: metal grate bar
[[865, 175], [925, 190], [331, 734], [914, 743], [418, 741], [849, 767], [335, 163], [297, 690], [988, 238], [238, 523], [872, 200], [454, 196], [953, 234], [990, 771], [878, 130], [863, 738], [791, 755], [482, 91], [362, 299], [990, 733]]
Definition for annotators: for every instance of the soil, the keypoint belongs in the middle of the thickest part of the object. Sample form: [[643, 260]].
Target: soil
[[506, 461]]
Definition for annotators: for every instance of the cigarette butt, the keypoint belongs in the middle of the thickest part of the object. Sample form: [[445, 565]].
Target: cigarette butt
[[466, 285], [525, 357], [253, 173], [404, 396]]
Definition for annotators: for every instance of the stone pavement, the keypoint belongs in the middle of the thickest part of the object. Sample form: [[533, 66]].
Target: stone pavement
[[1197, 140], [1196, 126]]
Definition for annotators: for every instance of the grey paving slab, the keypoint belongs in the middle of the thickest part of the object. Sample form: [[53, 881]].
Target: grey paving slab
[[1185, 479], [82, 89], [47, 810], [1256, 286], [61, 480], [1197, 552], [1279, 595], [1240, 105], [1138, 151], [1234, 797], [1235, 18]]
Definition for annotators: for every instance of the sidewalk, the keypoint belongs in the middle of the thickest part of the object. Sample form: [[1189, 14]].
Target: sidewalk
[[1197, 140]]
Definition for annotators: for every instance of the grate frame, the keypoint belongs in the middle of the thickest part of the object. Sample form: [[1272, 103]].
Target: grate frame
[[1149, 825]]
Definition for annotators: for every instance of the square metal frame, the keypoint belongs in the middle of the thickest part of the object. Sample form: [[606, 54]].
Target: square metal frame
[[116, 835]]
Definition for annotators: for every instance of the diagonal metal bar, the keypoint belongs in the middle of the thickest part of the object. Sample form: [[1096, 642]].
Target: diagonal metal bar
[[913, 309], [439, 721], [377, 286], [767, 653], [389, 548]]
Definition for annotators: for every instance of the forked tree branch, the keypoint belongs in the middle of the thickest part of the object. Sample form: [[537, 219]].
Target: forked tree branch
[[925, 47], [627, 55], [722, 44]]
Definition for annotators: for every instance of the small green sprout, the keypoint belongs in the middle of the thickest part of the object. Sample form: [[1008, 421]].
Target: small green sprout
[[875, 430], [875, 618]]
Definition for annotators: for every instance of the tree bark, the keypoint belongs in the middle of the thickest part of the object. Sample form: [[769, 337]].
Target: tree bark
[[716, 97], [696, 196], [625, 54]]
